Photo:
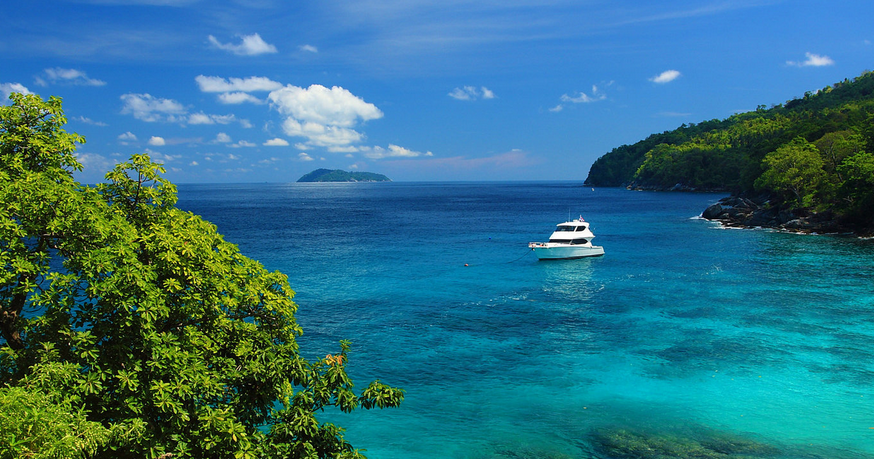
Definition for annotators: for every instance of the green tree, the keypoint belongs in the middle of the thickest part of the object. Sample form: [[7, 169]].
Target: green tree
[[181, 345], [794, 171], [857, 190], [39, 422]]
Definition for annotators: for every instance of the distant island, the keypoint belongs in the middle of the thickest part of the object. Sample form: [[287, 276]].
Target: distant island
[[804, 165], [336, 175]]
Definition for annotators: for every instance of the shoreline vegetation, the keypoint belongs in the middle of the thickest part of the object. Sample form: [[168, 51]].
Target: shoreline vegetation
[[131, 328], [806, 165]]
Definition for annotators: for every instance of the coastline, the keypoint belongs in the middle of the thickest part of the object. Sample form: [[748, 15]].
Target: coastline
[[759, 212]]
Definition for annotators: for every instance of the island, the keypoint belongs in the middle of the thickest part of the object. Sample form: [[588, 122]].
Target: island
[[337, 175]]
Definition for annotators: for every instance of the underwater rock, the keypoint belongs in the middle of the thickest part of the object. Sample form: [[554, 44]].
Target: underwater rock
[[626, 444]]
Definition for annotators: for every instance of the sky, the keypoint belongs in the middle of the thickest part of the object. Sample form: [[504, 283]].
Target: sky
[[433, 90]]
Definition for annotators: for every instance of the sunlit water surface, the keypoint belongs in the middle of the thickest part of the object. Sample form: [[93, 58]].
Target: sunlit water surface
[[681, 327]]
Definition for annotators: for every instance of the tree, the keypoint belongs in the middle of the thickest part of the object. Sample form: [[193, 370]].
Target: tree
[[182, 347], [794, 171], [857, 190]]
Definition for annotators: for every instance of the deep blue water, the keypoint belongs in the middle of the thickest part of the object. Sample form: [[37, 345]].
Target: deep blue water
[[681, 326]]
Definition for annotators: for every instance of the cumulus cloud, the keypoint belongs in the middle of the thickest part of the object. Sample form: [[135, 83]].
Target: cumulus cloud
[[8, 88], [236, 98], [325, 117], [203, 118], [222, 138], [243, 143], [472, 93], [393, 151], [277, 142], [127, 137], [251, 84], [156, 141], [251, 45], [151, 109], [813, 60], [308, 48], [665, 77], [236, 90], [58, 75], [304, 157]]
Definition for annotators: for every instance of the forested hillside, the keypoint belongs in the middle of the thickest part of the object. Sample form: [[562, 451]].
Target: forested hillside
[[328, 175], [814, 152]]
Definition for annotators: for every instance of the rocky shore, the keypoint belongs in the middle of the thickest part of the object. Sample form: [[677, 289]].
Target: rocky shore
[[759, 212]]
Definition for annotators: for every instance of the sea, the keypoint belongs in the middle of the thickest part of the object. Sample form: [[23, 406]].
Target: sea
[[685, 339]]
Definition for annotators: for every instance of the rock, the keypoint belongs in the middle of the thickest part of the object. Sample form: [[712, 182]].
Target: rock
[[713, 212]]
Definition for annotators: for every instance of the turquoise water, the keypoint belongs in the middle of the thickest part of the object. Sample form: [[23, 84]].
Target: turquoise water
[[681, 328]]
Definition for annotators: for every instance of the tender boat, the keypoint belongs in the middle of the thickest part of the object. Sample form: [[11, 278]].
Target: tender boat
[[570, 240]]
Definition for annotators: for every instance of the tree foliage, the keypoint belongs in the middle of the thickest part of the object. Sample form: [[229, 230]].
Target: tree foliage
[[748, 152], [795, 171], [162, 339]]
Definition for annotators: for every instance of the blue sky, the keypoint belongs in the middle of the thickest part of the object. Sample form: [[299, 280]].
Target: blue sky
[[268, 90]]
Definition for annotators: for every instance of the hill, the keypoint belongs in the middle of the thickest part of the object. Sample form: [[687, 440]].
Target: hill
[[806, 156], [727, 153], [328, 175]]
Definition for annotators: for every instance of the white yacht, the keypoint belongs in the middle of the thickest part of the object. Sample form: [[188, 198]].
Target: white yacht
[[571, 239]]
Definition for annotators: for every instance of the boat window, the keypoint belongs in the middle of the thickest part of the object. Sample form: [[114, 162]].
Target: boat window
[[579, 241], [564, 228]]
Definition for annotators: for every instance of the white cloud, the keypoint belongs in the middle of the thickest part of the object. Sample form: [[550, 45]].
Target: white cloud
[[222, 138], [200, 118], [159, 157], [94, 162], [813, 60], [203, 118], [243, 143], [234, 98], [304, 157], [251, 84], [472, 93], [393, 151], [665, 77], [251, 45], [193, 163], [557, 108], [348, 149], [277, 142], [68, 76], [150, 109], [308, 48], [127, 137], [325, 117], [583, 98], [156, 141], [85, 120], [8, 88]]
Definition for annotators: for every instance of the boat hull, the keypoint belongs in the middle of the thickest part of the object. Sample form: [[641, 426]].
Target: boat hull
[[565, 252]]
